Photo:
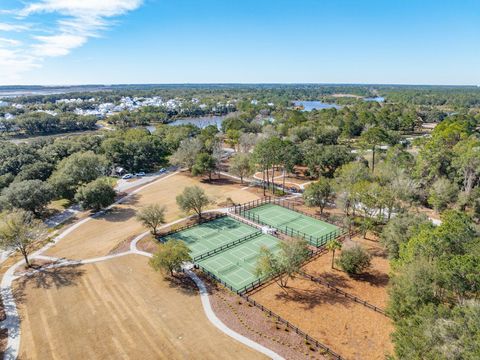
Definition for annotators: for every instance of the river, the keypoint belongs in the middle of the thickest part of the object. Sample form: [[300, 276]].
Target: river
[[315, 105], [201, 122]]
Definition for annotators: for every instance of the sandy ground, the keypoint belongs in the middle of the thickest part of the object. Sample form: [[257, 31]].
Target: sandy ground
[[371, 286], [99, 236], [117, 309], [348, 328]]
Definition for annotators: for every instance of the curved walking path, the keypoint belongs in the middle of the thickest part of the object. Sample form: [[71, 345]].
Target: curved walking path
[[12, 319]]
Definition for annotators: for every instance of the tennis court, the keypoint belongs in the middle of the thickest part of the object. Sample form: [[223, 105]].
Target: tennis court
[[211, 235], [236, 266], [282, 218]]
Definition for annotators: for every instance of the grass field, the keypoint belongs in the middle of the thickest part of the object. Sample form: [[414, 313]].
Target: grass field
[[236, 266], [282, 218], [211, 235], [100, 235], [117, 309]]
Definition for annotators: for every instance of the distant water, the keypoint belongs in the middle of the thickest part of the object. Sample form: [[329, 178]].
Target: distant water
[[377, 99], [201, 122], [315, 105]]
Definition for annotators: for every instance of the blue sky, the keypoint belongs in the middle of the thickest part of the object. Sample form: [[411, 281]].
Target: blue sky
[[245, 41]]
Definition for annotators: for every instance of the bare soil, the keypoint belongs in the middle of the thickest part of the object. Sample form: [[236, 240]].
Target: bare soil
[[348, 328], [370, 286], [119, 308], [255, 324]]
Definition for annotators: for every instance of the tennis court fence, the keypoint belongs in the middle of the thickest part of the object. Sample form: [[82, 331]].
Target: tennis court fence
[[317, 241], [291, 205], [227, 246], [212, 216]]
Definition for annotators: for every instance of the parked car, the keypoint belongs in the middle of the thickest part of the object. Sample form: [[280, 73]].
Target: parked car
[[127, 176], [162, 170], [140, 174]]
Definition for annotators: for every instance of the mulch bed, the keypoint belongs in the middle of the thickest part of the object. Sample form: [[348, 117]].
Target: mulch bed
[[253, 323]]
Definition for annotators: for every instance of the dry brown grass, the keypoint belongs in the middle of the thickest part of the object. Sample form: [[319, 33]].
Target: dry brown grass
[[100, 235], [115, 309]]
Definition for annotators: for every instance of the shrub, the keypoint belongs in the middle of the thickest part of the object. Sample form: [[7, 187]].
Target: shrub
[[354, 260]]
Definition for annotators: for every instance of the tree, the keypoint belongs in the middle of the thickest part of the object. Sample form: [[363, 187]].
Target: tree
[[319, 194], [170, 256], [76, 170], [187, 152], [374, 137], [454, 236], [37, 171], [354, 260], [152, 216], [232, 138], [241, 166], [324, 160], [204, 164], [19, 229], [442, 194], [247, 141], [436, 155], [440, 333], [290, 157], [96, 194], [193, 198], [467, 162], [347, 179], [333, 245], [30, 195], [400, 229], [135, 149], [284, 264]]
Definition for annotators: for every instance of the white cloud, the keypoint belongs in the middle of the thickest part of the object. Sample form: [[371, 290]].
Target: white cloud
[[13, 27], [11, 42], [57, 45], [75, 22]]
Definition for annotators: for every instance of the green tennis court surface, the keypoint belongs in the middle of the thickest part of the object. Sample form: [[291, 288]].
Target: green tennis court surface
[[211, 235], [279, 217], [236, 266]]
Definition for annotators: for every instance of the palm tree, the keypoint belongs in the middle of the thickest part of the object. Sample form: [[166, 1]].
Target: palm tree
[[333, 245]]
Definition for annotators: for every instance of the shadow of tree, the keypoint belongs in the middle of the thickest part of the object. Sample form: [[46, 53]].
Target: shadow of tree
[[131, 200], [47, 278], [334, 279], [313, 296], [216, 181], [183, 283], [118, 214], [375, 278]]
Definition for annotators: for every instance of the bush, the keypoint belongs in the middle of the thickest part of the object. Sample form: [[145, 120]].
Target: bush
[[354, 260]]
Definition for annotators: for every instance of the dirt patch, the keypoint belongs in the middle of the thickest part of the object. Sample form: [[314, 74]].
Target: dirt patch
[[3, 341], [148, 244], [371, 286], [253, 323], [348, 328], [99, 235], [119, 308]]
